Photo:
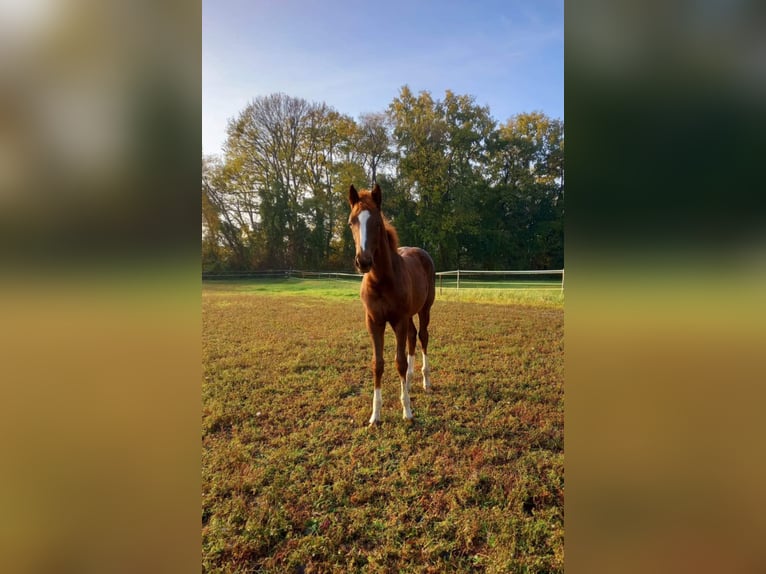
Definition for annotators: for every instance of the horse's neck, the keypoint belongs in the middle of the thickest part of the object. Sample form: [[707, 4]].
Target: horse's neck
[[387, 262]]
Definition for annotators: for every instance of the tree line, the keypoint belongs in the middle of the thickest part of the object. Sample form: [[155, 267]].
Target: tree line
[[475, 193]]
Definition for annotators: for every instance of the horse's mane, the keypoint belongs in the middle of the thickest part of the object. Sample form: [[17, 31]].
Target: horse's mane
[[365, 197], [393, 237]]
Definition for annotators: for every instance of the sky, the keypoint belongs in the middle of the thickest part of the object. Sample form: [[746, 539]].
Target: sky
[[355, 56]]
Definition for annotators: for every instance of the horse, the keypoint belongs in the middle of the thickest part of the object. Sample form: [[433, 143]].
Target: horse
[[398, 283]]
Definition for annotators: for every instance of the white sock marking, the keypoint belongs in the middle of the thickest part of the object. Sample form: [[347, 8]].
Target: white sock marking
[[363, 217], [405, 396], [426, 370], [377, 401]]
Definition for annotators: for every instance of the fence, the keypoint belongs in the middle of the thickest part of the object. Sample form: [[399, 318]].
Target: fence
[[453, 279], [501, 279], [279, 274]]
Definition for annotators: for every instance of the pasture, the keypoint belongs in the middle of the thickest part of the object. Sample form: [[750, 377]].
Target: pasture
[[294, 481]]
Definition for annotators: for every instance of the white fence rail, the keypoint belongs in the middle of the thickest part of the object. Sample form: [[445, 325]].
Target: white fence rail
[[454, 279], [469, 279], [280, 274]]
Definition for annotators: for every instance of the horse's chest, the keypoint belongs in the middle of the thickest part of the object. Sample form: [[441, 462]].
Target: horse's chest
[[384, 306]]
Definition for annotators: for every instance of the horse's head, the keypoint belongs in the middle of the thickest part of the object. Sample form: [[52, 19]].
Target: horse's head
[[366, 223]]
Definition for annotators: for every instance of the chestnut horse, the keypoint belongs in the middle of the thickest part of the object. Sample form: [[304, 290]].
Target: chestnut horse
[[398, 283]]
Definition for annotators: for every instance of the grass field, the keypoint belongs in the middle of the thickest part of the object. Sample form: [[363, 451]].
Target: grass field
[[547, 294], [294, 481]]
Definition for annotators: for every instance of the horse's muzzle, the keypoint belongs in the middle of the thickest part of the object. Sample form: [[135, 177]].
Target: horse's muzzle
[[363, 263]]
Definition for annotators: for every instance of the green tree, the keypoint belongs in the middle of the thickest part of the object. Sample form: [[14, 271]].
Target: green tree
[[373, 143], [443, 155], [472, 193], [420, 139], [528, 173], [469, 131], [326, 140]]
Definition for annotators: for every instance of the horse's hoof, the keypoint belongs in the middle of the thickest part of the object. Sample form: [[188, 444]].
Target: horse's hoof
[[409, 421], [374, 424]]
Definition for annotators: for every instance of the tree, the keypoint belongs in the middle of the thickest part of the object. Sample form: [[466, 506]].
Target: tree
[[473, 194], [224, 231], [420, 137], [442, 153], [373, 142], [529, 174], [326, 140], [469, 131]]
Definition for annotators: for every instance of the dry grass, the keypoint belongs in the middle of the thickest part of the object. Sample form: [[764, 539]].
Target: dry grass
[[294, 481]]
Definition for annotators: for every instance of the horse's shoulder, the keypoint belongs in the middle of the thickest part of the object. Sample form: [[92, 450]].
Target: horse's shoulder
[[416, 253], [408, 250]]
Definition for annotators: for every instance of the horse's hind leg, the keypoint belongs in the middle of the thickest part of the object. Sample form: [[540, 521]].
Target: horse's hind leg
[[412, 338], [424, 317], [403, 330]]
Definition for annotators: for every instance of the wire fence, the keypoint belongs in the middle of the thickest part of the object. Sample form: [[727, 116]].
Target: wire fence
[[543, 279], [279, 274], [547, 279]]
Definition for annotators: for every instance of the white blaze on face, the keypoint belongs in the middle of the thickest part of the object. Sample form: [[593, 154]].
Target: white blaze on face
[[363, 217]]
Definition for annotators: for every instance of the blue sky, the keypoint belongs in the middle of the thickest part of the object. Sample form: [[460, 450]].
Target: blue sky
[[355, 56]]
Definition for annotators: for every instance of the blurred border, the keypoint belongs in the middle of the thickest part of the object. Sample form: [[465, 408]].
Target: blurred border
[[666, 254], [99, 286], [100, 145]]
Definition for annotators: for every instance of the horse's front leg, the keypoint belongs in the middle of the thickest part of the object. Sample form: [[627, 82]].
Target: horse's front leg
[[376, 330], [403, 366]]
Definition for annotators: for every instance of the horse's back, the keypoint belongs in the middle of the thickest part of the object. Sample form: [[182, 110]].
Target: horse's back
[[421, 256]]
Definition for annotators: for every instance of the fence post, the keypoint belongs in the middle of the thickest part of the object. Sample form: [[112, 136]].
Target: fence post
[[457, 289]]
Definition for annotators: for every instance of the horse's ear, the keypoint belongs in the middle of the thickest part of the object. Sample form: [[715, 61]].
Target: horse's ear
[[353, 196], [376, 195]]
